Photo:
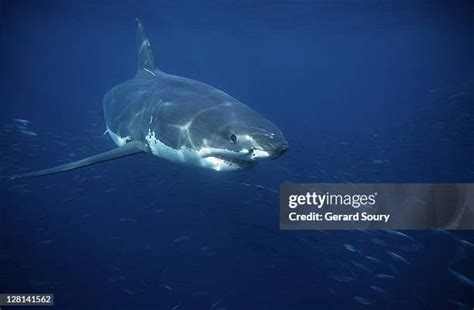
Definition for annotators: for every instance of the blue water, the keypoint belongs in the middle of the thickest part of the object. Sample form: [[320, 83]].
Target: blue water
[[364, 91]]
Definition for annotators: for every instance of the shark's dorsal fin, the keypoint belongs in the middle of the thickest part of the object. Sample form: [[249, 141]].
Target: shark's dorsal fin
[[146, 60]]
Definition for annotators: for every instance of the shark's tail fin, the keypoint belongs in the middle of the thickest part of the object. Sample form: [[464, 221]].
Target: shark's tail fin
[[128, 149], [146, 60]]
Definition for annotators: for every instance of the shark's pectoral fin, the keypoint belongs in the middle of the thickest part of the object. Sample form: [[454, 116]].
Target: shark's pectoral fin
[[128, 149]]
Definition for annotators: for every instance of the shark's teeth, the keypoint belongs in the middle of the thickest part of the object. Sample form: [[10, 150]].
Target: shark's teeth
[[201, 158], [260, 154]]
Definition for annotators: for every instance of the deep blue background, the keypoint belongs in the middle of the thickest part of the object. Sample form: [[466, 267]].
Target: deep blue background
[[365, 91]]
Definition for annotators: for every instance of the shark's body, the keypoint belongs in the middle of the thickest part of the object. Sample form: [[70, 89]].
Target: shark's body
[[168, 113], [181, 120]]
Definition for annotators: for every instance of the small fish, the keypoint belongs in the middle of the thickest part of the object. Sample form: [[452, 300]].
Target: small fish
[[127, 220], [68, 199], [22, 121], [181, 239], [116, 279], [20, 190], [49, 187], [217, 303], [341, 278], [350, 248], [379, 290], [360, 266], [466, 243], [399, 234], [461, 278], [60, 143], [28, 133], [378, 242], [374, 259], [385, 276], [456, 95], [167, 287], [398, 257], [458, 304], [175, 307], [362, 300], [129, 292]]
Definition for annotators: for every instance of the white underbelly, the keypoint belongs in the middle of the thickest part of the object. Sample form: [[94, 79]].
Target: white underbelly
[[185, 155], [181, 155]]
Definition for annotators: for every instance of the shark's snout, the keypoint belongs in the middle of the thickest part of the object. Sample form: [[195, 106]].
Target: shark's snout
[[281, 149], [278, 150]]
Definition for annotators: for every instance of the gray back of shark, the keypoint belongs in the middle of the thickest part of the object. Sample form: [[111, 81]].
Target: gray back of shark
[[181, 120]]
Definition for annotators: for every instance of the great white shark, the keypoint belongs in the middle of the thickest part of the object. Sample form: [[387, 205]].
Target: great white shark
[[181, 120]]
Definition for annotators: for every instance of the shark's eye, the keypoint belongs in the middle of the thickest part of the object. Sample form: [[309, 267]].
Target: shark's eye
[[233, 138]]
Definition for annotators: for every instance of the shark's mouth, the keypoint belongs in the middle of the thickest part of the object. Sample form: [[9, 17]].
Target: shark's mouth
[[232, 163]]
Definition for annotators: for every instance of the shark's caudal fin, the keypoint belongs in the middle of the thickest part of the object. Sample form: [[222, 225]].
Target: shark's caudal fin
[[123, 151], [146, 61]]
